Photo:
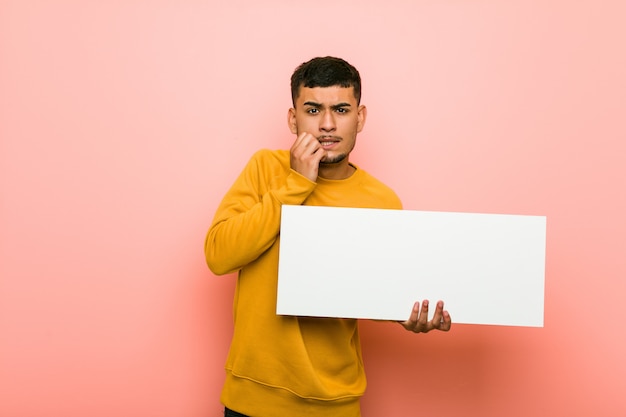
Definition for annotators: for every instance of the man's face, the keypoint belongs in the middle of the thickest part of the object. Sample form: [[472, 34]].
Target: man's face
[[332, 115]]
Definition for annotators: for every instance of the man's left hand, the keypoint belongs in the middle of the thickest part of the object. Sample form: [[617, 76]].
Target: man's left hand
[[419, 323]]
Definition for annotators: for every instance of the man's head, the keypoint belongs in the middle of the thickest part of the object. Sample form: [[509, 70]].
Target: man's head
[[326, 95], [325, 72]]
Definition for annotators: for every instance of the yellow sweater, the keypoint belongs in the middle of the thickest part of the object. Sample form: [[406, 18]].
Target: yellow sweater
[[281, 365]]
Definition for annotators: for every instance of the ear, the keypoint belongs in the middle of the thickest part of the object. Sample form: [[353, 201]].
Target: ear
[[291, 121], [361, 116]]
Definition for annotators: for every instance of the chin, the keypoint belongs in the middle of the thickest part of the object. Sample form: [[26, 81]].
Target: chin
[[333, 159]]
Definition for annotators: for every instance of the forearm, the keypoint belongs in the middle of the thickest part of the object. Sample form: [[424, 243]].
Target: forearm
[[245, 225], [238, 239]]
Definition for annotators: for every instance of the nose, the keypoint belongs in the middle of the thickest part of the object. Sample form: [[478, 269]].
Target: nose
[[327, 122]]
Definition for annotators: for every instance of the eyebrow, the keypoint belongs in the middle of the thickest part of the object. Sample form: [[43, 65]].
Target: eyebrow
[[333, 107]]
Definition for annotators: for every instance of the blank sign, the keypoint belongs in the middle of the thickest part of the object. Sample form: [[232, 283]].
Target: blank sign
[[374, 264]]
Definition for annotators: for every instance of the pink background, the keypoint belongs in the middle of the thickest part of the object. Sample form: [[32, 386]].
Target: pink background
[[123, 123]]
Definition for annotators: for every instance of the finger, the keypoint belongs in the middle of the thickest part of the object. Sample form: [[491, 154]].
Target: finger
[[311, 149], [306, 155], [419, 318], [299, 145], [446, 323], [423, 318], [296, 143], [412, 321], [318, 152], [303, 138], [438, 316]]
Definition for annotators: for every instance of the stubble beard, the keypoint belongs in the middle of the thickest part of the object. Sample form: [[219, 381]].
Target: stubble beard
[[337, 158], [334, 160]]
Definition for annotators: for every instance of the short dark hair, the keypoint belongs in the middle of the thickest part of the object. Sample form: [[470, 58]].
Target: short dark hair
[[325, 72]]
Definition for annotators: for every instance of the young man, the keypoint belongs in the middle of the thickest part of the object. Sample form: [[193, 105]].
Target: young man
[[298, 366]]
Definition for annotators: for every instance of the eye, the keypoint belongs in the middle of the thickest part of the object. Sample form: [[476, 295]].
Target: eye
[[342, 110], [313, 110]]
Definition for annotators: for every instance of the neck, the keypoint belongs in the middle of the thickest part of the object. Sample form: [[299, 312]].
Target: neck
[[336, 171]]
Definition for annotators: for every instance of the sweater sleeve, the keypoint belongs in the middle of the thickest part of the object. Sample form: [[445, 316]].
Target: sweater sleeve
[[247, 222]]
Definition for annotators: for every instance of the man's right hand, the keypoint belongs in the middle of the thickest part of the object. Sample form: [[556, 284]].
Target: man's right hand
[[306, 154]]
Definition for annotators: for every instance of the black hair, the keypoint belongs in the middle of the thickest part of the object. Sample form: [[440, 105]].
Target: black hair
[[325, 72]]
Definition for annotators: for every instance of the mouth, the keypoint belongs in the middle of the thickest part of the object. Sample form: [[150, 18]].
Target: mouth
[[328, 141]]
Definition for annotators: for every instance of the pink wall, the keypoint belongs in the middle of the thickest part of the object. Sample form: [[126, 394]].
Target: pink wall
[[123, 123]]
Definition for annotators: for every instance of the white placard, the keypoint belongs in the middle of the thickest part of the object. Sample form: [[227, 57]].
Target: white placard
[[374, 264]]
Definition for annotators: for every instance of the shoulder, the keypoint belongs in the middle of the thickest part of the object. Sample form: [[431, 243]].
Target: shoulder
[[366, 177], [270, 156], [267, 159], [376, 187]]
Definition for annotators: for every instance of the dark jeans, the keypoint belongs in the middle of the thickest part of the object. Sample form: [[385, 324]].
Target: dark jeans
[[231, 413]]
